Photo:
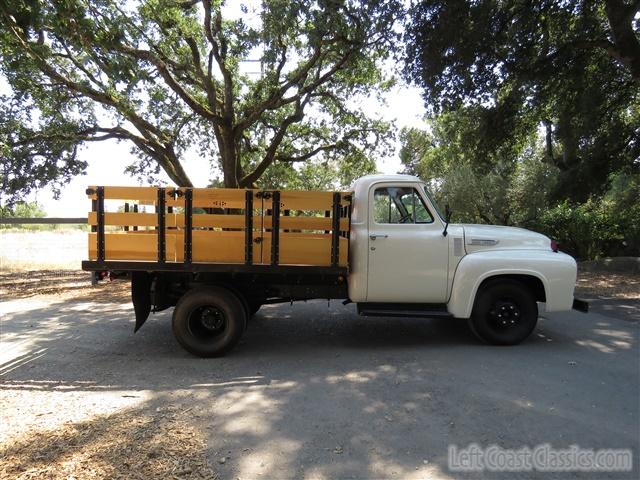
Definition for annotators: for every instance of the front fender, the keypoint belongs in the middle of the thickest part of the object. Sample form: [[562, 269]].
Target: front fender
[[556, 271]]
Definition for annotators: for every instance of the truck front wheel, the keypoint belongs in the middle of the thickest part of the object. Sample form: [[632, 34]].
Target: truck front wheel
[[505, 313], [209, 321]]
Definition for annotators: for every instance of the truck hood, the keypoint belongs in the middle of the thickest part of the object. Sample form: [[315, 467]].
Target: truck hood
[[494, 237]]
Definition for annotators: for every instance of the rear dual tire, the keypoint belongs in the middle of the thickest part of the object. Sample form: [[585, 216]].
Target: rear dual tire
[[209, 321]]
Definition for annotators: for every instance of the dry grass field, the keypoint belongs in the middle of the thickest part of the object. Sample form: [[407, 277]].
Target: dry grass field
[[42, 250]]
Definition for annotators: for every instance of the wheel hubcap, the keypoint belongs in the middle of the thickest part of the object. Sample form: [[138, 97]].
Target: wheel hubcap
[[211, 319], [505, 313], [207, 322]]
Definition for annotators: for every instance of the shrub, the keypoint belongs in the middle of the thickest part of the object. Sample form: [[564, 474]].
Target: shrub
[[593, 229]]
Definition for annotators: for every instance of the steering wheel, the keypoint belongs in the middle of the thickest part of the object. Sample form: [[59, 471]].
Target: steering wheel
[[406, 217]]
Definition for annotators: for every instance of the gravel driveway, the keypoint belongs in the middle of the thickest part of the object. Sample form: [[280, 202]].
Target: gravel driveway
[[311, 392]]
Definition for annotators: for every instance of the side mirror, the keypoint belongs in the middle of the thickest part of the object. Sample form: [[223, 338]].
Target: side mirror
[[447, 214]]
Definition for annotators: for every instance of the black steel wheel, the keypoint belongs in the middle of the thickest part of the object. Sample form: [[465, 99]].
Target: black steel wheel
[[505, 313], [209, 321]]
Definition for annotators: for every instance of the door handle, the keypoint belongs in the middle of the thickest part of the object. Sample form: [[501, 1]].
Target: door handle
[[373, 236]]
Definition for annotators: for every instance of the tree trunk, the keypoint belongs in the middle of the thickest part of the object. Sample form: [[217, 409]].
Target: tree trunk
[[179, 176], [568, 139], [171, 164], [228, 154], [627, 51], [549, 140]]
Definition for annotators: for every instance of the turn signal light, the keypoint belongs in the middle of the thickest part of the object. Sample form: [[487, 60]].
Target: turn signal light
[[554, 246]]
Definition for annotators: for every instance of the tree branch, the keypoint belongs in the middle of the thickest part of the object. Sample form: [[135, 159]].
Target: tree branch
[[171, 81], [207, 80], [219, 52], [276, 100], [627, 45], [270, 154], [308, 155]]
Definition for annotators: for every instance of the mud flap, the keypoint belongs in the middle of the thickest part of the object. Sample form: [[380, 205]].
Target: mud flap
[[141, 297]]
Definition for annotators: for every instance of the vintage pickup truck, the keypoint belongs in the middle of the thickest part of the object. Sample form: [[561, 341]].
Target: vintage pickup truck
[[218, 255]]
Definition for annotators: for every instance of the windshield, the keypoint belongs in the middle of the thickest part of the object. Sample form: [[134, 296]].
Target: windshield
[[434, 203]]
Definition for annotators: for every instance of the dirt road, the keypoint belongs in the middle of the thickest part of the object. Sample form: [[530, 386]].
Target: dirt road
[[311, 392]]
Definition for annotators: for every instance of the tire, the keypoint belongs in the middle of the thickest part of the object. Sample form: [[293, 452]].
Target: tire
[[209, 321], [505, 313]]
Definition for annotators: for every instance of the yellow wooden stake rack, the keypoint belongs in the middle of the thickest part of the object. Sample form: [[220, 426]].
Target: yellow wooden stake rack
[[191, 226]]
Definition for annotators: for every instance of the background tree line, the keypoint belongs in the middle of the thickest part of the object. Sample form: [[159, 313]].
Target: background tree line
[[534, 116], [533, 107]]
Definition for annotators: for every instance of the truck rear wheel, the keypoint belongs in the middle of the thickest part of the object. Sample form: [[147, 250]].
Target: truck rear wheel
[[209, 321], [505, 313]]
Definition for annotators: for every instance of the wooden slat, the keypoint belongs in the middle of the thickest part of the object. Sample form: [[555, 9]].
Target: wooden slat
[[218, 198], [140, 195], [344, 252], [121, 219], [216, 247], [128, 193], [302, 200], [306, 223], [306, 249], [138, 245], [213, 221], [122, 246]]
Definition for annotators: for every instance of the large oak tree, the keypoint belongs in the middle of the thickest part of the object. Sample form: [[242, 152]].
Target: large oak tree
[[275, 85]]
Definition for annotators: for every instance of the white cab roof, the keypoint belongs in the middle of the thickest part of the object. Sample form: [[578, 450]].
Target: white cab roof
[[363, 183]]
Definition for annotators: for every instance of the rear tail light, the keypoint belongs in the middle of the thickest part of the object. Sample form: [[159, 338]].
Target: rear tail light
[[554, 245]]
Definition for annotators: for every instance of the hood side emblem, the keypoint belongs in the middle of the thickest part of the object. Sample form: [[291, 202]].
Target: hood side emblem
[[484, 242]]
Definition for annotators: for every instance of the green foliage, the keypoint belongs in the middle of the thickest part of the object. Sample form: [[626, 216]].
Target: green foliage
[[534, 112], [623, 200], [511, 186], [523, 195], [34, 153], [23, 210], [271, 88], [316, 175], [503, 70], [593, 229]]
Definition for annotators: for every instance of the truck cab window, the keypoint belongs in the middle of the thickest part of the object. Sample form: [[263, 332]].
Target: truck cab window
[[399, 205]]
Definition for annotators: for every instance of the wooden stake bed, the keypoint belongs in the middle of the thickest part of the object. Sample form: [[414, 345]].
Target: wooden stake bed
[[195, 229]]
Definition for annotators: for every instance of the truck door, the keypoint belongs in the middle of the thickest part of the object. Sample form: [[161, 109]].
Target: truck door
[[408, 255]]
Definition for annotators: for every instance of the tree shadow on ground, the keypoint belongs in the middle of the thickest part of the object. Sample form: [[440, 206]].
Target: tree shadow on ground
[[319, 392], [135, 443]]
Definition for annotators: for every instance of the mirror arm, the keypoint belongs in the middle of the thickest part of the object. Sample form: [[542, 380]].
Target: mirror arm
[[447, 212]]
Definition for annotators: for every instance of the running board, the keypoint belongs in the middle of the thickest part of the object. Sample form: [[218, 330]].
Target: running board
[[418, 310]]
